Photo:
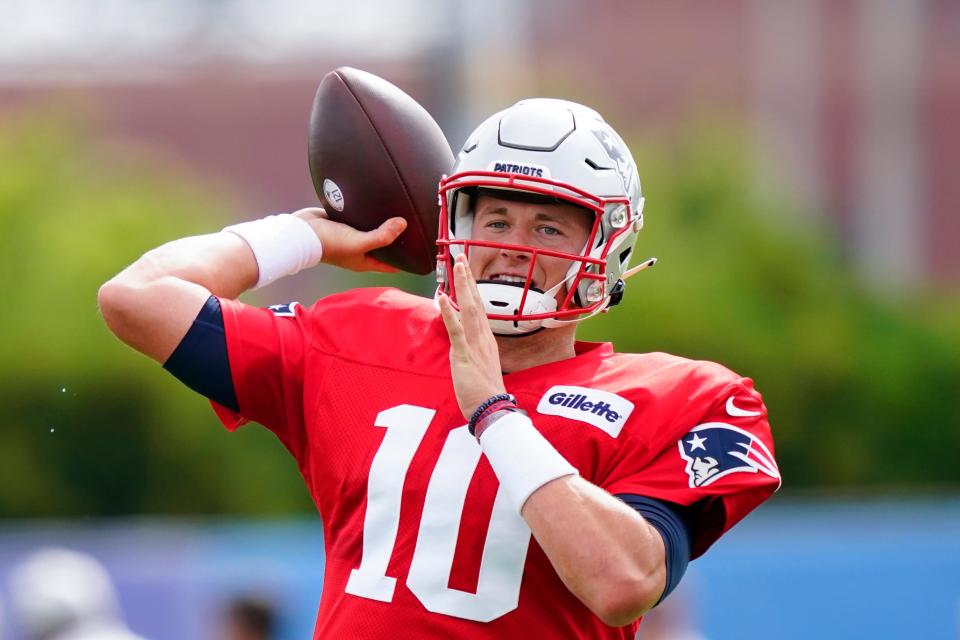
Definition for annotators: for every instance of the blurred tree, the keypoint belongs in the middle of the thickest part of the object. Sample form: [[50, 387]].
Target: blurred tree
[[88, 426]]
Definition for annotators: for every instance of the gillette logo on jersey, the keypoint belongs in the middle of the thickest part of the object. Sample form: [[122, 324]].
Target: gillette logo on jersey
[[716, 449], [579, 401], [602, 409]]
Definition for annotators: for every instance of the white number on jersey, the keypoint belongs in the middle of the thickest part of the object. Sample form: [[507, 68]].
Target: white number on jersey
[[505, 548]]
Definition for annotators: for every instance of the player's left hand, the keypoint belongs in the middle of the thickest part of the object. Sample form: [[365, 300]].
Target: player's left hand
[[474, 356]]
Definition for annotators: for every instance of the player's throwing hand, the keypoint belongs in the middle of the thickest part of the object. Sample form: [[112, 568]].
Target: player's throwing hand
[[348, 248]]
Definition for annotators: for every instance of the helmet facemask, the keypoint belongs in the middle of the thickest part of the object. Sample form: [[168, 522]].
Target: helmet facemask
[[522, 307]]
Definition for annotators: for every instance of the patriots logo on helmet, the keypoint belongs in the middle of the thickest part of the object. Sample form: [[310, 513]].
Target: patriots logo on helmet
[[716, 449], [617, 150]]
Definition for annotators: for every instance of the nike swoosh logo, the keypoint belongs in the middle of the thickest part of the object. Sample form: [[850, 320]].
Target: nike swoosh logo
[[737, 412]]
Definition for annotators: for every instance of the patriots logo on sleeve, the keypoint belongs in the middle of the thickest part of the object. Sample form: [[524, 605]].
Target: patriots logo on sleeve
[[717, 449], [287, 310]]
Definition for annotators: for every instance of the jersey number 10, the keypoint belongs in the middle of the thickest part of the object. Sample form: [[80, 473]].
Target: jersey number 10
[[505, 548]]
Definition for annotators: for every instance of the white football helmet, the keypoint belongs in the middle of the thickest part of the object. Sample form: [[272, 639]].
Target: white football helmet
[[561, 151]]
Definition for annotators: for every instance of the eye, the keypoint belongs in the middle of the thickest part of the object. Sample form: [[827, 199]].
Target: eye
[[496, 224], [550, 231]]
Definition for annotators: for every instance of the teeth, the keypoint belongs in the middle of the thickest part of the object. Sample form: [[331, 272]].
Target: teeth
[[507, 278]]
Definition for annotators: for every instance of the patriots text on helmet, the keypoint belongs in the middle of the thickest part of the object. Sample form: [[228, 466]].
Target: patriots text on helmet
[[521, 169]]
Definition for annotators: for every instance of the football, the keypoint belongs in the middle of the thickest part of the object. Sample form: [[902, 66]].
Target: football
[[375, 153]]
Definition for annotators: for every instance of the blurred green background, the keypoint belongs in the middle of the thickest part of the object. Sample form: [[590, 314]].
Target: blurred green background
[[861, 386]]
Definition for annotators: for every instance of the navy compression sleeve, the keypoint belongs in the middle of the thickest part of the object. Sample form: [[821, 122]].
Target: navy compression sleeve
[[672, 522], [200, 360]]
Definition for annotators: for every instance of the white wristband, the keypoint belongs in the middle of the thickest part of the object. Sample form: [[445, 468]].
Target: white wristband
[[521, 457], [282, 244]]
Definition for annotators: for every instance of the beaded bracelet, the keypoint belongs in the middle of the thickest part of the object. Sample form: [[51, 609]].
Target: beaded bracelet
[[485, 405], [494, 413]]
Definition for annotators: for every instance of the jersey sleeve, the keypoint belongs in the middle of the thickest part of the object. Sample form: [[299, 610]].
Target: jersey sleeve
[[723, 465], [267, 350]]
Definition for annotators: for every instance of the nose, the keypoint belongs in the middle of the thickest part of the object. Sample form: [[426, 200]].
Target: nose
[[514, 255], [515, 237]]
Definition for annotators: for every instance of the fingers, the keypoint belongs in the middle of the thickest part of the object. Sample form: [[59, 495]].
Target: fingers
[[385, 234], [359, 244], [451, 321], [382, 236], [468, 297]]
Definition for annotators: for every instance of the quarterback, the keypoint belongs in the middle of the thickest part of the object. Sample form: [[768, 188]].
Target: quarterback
[[479, 472]]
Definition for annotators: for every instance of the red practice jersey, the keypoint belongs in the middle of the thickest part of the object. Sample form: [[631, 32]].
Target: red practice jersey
[[420, 541]]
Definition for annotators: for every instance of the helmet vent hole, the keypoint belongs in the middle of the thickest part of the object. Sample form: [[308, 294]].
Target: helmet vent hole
[[498, 303], [625, 254], [593, 165]]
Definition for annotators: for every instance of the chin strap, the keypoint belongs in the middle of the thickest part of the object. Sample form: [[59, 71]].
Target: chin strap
[[551, 323]]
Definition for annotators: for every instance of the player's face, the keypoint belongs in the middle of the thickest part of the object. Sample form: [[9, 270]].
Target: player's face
[[558, 227]]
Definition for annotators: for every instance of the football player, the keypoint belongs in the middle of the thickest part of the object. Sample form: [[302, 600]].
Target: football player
[[479, 472]]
